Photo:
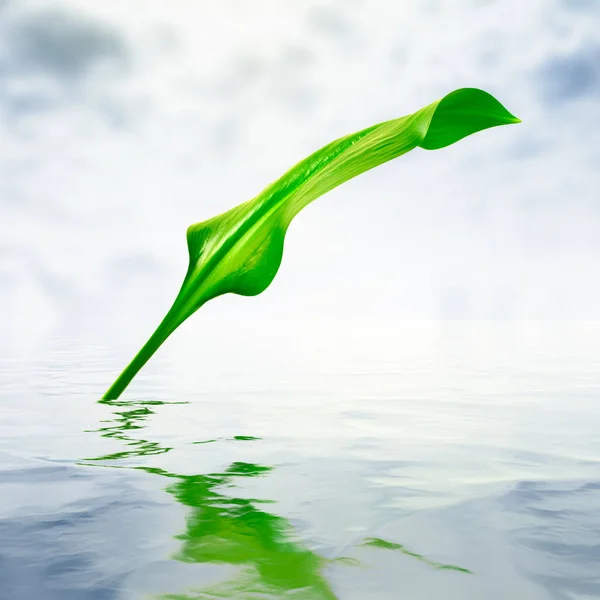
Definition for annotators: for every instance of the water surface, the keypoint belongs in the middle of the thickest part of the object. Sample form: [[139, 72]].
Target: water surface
[[310, 461]]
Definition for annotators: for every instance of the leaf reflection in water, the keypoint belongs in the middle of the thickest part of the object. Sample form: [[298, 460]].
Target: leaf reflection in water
[[221, 529]]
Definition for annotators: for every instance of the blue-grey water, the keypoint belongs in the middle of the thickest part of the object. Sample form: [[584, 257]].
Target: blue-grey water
[[310, 461]]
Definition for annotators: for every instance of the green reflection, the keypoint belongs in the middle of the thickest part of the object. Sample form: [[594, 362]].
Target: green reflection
[[379, 543], [224, 529], [125, 422], [270, 562], [235, 531]]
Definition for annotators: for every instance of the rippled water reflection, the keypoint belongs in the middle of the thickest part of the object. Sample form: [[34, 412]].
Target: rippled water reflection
[[416, 461]]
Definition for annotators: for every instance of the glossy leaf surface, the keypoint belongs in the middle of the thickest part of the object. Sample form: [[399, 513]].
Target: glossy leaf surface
[[240, 250]]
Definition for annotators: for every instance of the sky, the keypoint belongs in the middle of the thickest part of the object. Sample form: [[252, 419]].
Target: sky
[[122, 123]]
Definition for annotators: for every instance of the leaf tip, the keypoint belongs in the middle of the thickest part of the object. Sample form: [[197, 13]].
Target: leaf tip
[[462, 113]]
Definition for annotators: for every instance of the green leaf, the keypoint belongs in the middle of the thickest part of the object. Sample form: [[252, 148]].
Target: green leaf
[[240, 250]]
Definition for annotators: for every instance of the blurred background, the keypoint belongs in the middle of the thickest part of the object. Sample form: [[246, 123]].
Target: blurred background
[[121, 123]]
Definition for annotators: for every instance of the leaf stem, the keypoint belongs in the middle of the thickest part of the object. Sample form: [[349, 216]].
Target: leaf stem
[[163, 331]]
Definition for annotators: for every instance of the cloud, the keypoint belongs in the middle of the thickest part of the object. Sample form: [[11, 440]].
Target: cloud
[[62, 44], [580, 5], [567, 76], [49, 57], [329, 22], [115, 141]]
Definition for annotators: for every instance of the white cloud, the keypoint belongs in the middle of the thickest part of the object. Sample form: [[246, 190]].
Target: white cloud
[[123, 123]]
